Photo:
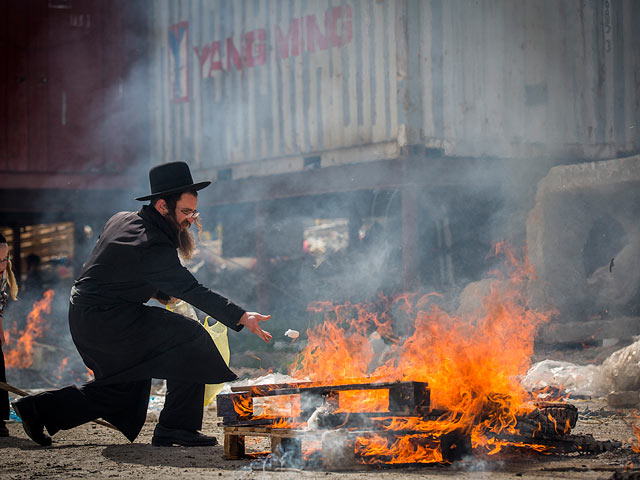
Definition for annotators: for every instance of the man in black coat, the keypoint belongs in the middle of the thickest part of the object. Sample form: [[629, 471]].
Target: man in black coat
[[127, 343]]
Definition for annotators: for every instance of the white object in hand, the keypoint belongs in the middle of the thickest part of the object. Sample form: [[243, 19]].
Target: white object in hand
[[292, 333]]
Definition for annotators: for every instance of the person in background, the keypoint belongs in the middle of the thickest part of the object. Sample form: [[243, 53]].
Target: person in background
[[8, 287], [125, 342], [33, 283]]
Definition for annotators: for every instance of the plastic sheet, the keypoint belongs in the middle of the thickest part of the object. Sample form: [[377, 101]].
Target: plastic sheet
[[622, 368], [583, 380], [218, 333]]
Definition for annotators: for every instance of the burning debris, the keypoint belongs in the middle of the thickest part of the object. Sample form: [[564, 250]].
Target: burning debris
[[349, 426], [21, 351], [450, 388], [35, 360]]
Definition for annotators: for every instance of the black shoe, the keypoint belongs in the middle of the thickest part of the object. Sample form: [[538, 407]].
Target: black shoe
[[166, 437], [4, 431], [33, 426]]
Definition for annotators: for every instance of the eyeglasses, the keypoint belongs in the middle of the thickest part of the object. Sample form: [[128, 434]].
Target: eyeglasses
[[5, 260], [190, 213]]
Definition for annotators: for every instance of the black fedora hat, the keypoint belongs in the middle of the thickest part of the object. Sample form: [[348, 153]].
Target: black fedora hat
[[170, 178]]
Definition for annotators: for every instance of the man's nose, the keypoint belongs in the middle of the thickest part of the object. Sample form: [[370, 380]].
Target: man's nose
[[191, 220]]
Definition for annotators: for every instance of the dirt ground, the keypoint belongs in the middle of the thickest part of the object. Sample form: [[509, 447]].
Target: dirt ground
[[99, 452]]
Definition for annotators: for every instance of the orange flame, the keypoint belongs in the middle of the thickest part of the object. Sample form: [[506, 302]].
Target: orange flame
[[471, 363], [406, 449], [276, 406], [62, 367], [20, 355], [243, 405], [287, 423], [636, 431], [363, 401]]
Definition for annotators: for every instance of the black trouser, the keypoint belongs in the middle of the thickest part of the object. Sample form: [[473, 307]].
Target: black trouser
[[4, 395], [123, 404]]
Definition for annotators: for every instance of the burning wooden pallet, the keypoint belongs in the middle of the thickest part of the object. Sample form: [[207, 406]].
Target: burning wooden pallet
[[298, 401], [364, 423]]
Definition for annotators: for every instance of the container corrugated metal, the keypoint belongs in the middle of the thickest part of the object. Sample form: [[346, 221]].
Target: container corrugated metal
[[256, 86], [534, 77], [245, 81]]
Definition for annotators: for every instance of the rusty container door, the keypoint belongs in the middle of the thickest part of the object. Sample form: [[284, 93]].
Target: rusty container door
[[76, 51], [66, 109]]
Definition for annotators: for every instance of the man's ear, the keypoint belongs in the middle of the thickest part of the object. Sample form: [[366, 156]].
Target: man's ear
[[161, 206]]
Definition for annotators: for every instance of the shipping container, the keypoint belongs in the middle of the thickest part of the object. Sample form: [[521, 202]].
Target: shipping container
[[430, 121], [256, 87], [65, 114]]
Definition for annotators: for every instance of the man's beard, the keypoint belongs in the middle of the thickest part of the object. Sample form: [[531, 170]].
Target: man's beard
[[186, 242]]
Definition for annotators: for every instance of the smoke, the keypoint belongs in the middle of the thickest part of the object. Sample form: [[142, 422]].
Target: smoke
[[292, 107]]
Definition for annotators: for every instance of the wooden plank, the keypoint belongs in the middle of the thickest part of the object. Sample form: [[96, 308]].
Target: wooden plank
[[338, 451], [251, 431], [286, 447], [232, 421], [234, 446], [260, 389], [294, 388], [336, 388], [548, 419], [409, 398], [340, 448], [405, 399], [225, 405]]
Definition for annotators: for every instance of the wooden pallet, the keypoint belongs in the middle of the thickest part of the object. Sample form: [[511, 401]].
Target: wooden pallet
[[344, 435], [282, 440], [404, 399], [338, 451]]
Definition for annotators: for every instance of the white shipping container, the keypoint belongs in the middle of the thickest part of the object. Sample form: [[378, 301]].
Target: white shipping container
[[255, 87]]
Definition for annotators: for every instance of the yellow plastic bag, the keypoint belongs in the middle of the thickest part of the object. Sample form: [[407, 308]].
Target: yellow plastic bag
[[218, 333]]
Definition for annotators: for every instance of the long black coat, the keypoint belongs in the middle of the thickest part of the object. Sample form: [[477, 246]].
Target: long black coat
[[123, 340]]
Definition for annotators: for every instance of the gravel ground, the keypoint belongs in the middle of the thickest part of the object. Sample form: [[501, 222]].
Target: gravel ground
[[98, 452]]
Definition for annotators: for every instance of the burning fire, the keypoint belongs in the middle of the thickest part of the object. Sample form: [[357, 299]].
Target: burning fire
[[472, 364], [635, 445], [20, 353], [62, 367], [363, 401], [406, 449]]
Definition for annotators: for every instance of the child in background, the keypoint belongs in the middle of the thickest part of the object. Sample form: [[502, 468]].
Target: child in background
[[8, 286]]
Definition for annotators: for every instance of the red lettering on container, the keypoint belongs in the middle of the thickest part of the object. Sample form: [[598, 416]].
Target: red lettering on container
[[215, 64], [302, 35], [258, 55], [202, 57], [233, 55], [315, 35], [293, 37], [347, 29]]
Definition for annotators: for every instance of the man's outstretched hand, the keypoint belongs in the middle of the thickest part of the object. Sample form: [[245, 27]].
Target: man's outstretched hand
[[252, 320]]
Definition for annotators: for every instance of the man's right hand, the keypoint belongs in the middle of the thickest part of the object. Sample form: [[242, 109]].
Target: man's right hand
[[252, 320]]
